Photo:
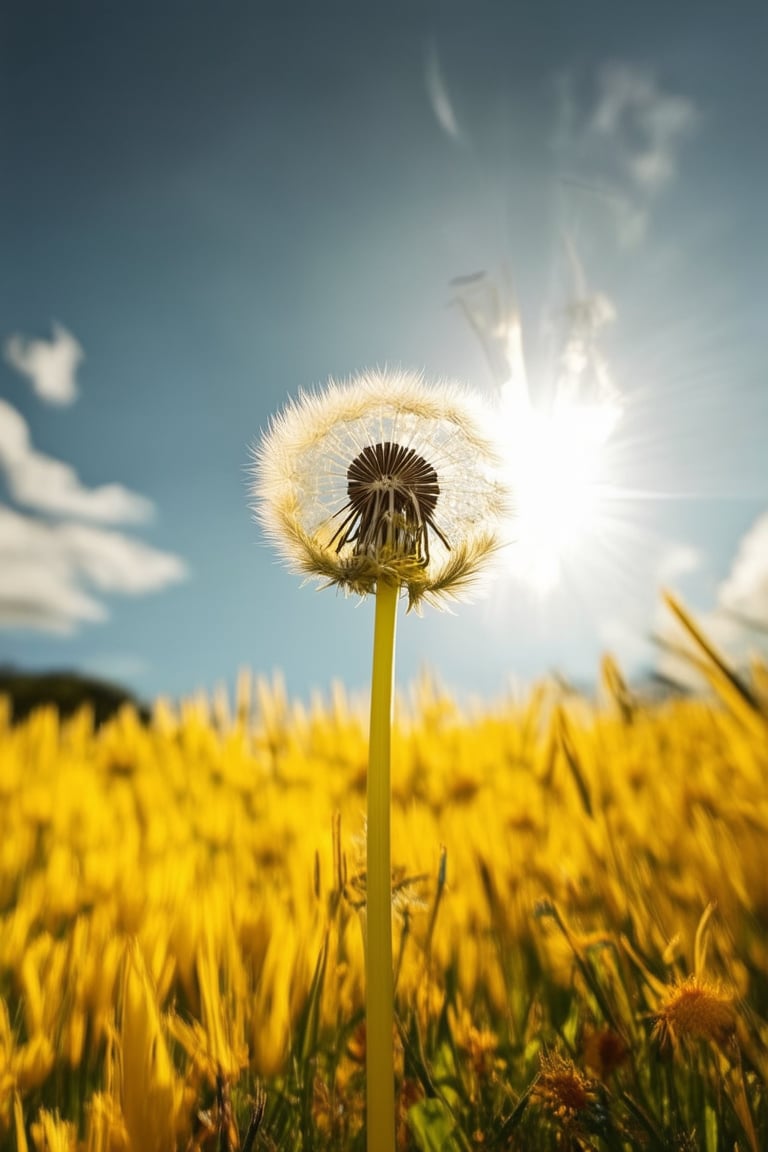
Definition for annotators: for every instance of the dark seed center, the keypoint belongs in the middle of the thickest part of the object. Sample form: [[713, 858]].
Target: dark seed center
[[392, 498], [390, 467]]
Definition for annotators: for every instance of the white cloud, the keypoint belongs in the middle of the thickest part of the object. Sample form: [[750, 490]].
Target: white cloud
[[117, 563], [742, 602], [51, 365], [39, 481], [622, 146], [53, 574], [48, 571], [745, 591]]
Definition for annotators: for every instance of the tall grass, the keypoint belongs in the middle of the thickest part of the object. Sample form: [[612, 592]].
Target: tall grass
[[581, 900]]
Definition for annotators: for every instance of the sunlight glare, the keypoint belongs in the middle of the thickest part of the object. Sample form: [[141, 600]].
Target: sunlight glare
[[555, 464], [555, 446]]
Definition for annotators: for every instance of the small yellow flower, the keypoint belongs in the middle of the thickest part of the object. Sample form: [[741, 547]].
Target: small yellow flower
[[382, 478], [694, 1009]]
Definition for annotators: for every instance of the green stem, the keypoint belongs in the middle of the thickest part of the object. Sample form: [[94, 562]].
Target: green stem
[[380, 1073]]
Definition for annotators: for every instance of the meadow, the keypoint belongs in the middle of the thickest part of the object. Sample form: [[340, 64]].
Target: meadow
[[580, 906]]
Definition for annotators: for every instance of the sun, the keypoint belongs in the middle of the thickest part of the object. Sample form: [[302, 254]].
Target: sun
[[555, 465], [554, 431]]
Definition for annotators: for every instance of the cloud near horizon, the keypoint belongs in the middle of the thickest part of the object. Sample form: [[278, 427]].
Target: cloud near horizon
[[738, 623], [50, 365], [745, 591], [48, 571], [51, 568]]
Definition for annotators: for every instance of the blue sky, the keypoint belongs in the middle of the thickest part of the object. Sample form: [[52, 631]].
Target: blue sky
[[204, 208]]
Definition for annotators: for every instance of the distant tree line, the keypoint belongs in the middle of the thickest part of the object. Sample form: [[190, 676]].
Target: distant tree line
[[69, 691]]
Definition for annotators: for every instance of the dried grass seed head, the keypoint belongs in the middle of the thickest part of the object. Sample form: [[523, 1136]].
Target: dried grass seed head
[[383, 478], [564, 1091]]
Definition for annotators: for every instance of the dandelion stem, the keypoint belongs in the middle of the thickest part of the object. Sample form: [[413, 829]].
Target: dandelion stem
[[380, 1077]]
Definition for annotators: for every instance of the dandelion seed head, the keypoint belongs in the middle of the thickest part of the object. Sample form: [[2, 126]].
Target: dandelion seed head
[[382, 478], [694, 1009]]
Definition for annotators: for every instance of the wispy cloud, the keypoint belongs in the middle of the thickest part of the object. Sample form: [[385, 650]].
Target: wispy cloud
[[437, 92], [48, 572], [51, 365], [623, 142], [644, 123], [57, 566], [677, 561], [38, 481]]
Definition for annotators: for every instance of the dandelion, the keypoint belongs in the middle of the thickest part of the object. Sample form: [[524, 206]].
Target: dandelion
[[694, 1009], [380, 485], [384, 479]]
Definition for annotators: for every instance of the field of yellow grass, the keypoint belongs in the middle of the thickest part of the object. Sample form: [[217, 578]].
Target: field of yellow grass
[[580, 901]]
